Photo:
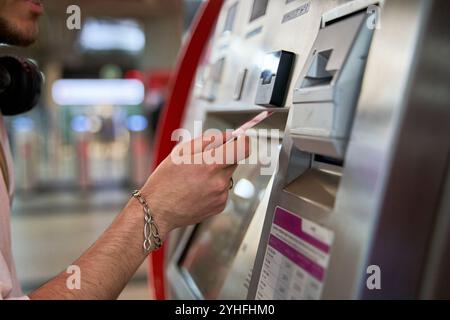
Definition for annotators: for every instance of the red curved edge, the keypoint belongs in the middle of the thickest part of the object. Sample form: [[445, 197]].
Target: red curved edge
[[173, 113]]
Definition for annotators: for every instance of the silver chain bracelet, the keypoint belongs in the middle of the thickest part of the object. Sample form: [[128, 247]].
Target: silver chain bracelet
[[152, 239]]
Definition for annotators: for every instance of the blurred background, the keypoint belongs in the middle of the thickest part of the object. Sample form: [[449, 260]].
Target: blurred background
[[80, 153]]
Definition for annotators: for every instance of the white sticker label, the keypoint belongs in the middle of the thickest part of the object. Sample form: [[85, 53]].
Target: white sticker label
[[296, 259]]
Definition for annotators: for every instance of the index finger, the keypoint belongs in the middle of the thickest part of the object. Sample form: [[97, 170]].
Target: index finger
[[230, 153], [202, 143]]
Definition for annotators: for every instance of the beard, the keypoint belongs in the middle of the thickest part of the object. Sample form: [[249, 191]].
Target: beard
[[12, 34]]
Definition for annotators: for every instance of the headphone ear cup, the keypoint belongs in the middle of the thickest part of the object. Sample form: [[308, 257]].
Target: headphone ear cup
[[24, 88]]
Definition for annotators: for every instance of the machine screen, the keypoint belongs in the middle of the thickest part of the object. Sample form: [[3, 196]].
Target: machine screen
[[258, 9], [215, 242]]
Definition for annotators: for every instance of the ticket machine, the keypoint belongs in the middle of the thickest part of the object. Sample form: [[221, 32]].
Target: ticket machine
[[357, 208], [257, 52], [342, 199]]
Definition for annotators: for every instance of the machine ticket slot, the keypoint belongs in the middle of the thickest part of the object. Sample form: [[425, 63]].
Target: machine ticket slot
[[296, 259], [326, 94], [274, 79]]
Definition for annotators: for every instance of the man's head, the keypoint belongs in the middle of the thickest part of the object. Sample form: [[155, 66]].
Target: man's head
[[19, 21]]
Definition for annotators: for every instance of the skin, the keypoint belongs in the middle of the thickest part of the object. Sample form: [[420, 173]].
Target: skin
[[178, 195], [18, 23]]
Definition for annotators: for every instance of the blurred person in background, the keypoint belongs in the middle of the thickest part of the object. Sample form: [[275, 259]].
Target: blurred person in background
[[177, 194]]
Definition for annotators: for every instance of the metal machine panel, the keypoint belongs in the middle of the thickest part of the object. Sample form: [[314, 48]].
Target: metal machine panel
[[328, 87], [224, 95], [382, 204]]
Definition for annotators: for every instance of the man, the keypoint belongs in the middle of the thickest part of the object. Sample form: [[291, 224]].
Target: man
[[177, 195]]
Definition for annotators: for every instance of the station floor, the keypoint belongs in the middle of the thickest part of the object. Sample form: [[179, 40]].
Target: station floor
[[52, 229]]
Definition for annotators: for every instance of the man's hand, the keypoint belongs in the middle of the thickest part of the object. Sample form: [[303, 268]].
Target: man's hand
[[178, 195], [185, 194]]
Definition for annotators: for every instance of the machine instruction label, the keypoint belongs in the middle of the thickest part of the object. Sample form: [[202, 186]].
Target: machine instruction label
[[304, 9], [296, 259]]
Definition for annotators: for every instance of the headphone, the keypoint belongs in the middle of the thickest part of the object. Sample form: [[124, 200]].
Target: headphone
[[20, 85]]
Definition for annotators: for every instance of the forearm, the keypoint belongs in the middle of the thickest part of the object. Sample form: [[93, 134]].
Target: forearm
[[108, 265], [178, 195]]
